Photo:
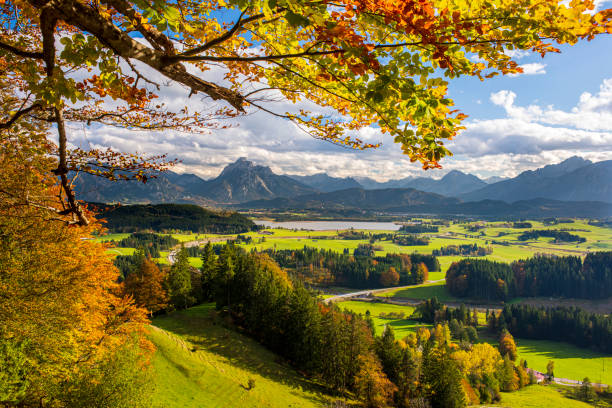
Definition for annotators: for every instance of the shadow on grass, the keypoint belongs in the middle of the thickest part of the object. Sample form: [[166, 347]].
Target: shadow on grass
[[200, 327]]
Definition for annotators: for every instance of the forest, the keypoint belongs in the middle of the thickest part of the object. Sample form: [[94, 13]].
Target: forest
[[558, 235], [173, 217], [150, 243], [418, 228], [557, 276], [569, 324], [321, 266], [426, 368]]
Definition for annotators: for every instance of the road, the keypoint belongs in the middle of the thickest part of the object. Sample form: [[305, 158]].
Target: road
[[189, 244], [369, 292]]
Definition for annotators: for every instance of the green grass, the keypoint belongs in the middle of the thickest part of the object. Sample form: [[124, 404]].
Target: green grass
[[539, 396], [424, 291], [121, 251], [200, 363], [401, 327], [571, 362], [112, 237]]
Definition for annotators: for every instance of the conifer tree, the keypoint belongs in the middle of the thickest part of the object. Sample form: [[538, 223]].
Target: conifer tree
[[179, 280]]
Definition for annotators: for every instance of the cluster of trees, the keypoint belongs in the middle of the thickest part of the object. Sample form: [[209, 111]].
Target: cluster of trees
[[410, 240], [569, 324], [170, 217], [461, 320], [424, 369], [354, 235], [150, 243], [566, 276], [315, 265], [558, 235], [521, 224], [465, 250], [418, 228]]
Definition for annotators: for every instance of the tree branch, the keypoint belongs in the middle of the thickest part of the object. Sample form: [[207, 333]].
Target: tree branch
[[21, 53], [218, 40], [89, 20], [19, 114]]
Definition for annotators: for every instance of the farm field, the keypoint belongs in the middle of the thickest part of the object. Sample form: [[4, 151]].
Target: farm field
[[571, 362], [200, 363], [539, 396], [506, 247]]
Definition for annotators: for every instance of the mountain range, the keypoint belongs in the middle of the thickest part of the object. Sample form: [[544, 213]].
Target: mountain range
[[574, 179]]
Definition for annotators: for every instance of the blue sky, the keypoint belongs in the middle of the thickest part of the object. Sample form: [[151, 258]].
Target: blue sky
[[577, 69], [561, 106]]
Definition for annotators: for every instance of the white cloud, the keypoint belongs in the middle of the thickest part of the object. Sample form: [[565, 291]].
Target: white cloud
[[534, 68]]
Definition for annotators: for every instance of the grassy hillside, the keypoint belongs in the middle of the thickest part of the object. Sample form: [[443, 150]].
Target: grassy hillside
[[538, 396], [200, 363]]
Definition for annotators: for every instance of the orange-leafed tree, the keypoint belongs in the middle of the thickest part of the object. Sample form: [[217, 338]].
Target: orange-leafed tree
[[381, 63], [146, 286], [507, 346], [371, 383], [390, 277], [61, 308]]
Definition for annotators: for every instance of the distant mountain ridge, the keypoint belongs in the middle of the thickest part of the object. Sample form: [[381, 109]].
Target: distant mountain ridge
[[574, 179], [411, 201], [323, 182]]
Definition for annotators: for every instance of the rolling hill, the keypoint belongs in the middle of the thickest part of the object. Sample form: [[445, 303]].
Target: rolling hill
[[200, 362]]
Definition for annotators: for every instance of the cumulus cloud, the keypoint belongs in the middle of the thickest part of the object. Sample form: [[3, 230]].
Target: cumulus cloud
[[525, 137], [534, 68], [532, 135]]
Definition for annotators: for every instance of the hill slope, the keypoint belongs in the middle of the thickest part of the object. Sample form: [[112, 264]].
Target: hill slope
[[199, 363]]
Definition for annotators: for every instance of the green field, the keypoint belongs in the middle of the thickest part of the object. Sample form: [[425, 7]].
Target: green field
[[571, 362], [401, 327], [200, 363], [424, 291], [539, 396]]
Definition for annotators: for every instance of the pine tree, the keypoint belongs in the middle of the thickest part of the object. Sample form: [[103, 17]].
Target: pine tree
[[209, 271], [585, 391], [179, 281]]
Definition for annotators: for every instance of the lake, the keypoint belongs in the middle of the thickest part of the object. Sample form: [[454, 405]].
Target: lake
[[329, 225]]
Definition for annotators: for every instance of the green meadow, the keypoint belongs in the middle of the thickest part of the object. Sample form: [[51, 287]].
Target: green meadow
[[201, 363], [539, 396], [571, 362]]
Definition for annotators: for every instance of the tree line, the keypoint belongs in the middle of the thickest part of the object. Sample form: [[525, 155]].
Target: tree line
[[316, 265], [418, 228], [464, 250], [172, 217], [569, 324], [558, 235], [339, 349], [150, 243], [559, 276]]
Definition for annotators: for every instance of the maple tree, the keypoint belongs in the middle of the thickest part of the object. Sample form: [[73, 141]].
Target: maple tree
[[62, 317], [146, 286], [362, 62]]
